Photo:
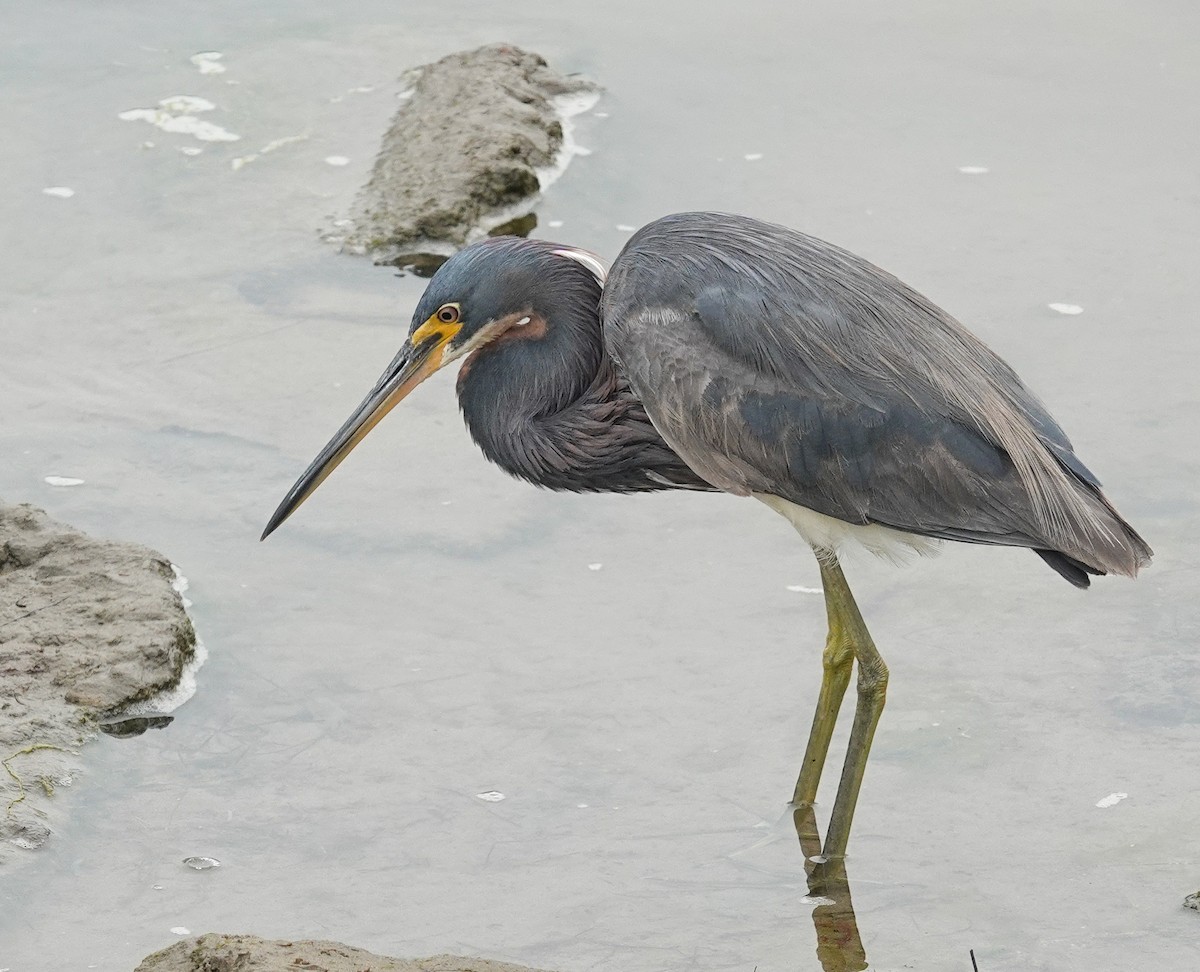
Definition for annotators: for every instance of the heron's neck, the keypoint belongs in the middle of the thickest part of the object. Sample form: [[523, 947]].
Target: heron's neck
[[547, 404]]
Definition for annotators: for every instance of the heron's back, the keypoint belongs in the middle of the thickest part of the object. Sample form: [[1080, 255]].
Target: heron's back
[[776, 363]]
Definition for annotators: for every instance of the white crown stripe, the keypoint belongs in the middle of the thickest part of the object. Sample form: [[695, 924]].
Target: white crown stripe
[[587, 259]]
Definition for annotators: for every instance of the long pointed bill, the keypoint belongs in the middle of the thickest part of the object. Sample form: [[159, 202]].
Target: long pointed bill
[[420, 357]]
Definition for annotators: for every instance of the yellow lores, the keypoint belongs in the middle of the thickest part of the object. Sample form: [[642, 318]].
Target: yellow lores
[[443, 326]]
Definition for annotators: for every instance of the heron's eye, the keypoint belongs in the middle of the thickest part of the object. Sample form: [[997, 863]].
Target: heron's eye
[[448, 314]]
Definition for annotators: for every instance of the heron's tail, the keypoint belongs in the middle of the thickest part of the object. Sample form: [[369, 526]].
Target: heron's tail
[[1100, 541]]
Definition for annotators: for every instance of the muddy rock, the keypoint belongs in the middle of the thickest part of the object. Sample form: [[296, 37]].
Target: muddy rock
[[88, 629], [478, 137], [247, 953]]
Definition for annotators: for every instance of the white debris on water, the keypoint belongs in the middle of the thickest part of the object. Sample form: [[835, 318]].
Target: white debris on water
[[974, 169], [62, 192], [554, 223], [625, 227], [595, 566], [209, 62], [63, 481], [180, 930], [801, 589], [190, 150], [336, 160], [278, 143], [491, 796], [177, 114], [1070, 309], [752, 156], [816, 899], [281, 142], [1111, 800], [201, 863]]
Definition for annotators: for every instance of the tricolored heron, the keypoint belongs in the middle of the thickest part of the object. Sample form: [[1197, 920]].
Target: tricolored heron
[[725, 353]]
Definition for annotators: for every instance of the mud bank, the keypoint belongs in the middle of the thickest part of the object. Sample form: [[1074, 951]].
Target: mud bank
[[88, 629], [475, 142], [247, 953]]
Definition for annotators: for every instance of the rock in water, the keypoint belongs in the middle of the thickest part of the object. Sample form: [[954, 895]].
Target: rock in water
[[248, 953], [87, 628], [466, 155]]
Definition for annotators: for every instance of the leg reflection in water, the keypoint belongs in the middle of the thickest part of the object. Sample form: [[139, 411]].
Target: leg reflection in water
[[839, 947]]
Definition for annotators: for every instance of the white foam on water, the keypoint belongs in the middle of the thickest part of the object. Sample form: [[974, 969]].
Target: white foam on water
[[180, 930], [209, 62], [62, 192], [800, 589], [176, 114], [491, 796], [595, 566], [336, 160], [1069, 309], [63, 481], [566, 106], [1111, 800], [753, 156], [190, 150], [180, 124], [173, 698], [625, 227], [186, 104], [974, 169]]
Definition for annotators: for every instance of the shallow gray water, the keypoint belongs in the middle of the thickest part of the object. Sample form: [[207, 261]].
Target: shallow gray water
[[426, 630]]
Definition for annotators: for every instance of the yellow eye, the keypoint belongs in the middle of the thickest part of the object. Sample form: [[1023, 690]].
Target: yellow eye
[[448, 314]]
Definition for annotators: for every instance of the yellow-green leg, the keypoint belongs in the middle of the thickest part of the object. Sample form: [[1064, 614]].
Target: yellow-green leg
[[848, 641], [837, 661]]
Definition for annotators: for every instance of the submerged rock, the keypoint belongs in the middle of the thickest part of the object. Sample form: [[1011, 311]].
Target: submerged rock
[[88, 628], [248, 953], [475, 142]]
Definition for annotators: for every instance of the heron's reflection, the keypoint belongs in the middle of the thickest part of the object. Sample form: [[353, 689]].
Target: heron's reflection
[[839, 946]]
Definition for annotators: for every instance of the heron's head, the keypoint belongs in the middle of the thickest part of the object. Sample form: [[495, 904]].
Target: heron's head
[[491, 289]]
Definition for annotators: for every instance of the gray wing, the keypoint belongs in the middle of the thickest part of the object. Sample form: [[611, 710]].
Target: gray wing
[[774, 362]]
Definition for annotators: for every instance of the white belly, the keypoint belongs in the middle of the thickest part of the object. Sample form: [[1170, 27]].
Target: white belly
[[827, 534]]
